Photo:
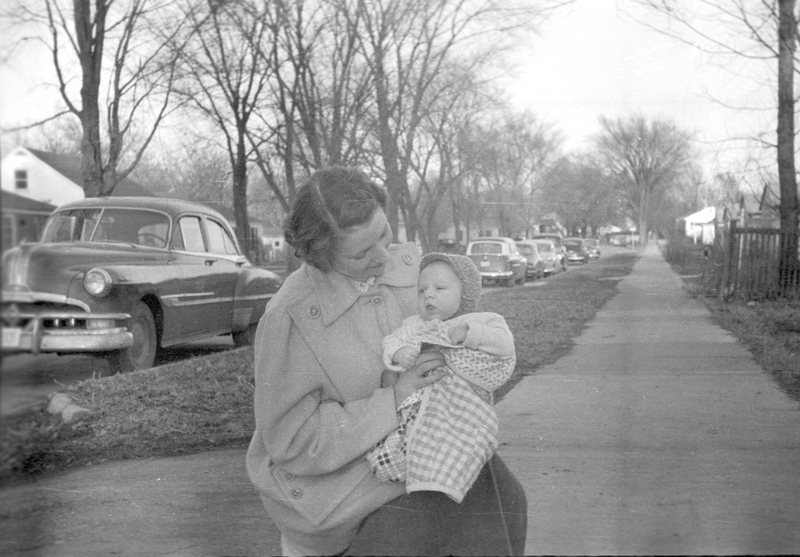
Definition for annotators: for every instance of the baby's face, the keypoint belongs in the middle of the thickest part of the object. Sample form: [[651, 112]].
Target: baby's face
[[439, 292]]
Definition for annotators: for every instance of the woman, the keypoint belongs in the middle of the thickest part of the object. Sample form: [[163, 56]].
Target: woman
[[319, 403]]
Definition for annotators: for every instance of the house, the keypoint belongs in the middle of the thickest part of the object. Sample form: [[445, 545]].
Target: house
[[51, 178], [701, 226], [23, 219]]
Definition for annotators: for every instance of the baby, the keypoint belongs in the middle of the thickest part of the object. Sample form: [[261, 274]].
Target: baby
[[448, 430]]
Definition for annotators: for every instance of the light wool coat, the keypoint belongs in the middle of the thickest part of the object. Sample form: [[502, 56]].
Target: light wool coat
[[318, 403]]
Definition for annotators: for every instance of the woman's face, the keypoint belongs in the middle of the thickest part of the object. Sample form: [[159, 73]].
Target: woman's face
[[362, 250]]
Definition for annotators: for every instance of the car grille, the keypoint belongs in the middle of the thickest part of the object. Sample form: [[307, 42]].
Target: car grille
[[23, 314]]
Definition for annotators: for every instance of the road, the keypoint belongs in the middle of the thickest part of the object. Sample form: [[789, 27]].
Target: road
[[27, 380]]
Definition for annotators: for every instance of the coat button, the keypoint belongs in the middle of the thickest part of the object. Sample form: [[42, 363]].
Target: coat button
[[377, 300], [297, 493], [289, 476], [313, 312]]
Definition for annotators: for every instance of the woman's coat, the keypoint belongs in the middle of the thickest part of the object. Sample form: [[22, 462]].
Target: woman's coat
[[318, 403]]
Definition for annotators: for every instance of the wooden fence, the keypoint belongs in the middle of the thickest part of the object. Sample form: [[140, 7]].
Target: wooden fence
[[752, 265]]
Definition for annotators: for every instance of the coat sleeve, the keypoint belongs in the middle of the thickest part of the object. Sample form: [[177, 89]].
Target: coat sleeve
[[304, 425], [489, 332]]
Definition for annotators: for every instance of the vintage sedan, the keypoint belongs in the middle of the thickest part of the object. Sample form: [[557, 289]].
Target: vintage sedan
[[498, 260], [122, 277], [530, 251], [593, 245], [558, 241], [549, 255], [576, 250]]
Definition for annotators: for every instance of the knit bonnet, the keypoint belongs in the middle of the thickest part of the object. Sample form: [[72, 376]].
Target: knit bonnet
[[467, 273]]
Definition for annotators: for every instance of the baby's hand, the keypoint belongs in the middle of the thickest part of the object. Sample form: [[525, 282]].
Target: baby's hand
[[458, 334], [405, 357]]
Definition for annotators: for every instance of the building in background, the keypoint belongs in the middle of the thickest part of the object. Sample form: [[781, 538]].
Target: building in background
[[52, 178], [23, 219]]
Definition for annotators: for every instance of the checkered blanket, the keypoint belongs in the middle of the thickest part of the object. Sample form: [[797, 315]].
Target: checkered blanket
[[454, 435]]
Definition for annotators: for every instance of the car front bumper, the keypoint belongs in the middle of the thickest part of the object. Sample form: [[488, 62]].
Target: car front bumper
[[65, 332], [494, 275]]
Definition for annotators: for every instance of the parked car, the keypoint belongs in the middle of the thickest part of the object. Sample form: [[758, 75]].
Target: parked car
[[593, 245], [498, 260], [122, 277], [530, 251], [551, 263], [576, 250], [558, 240], [623, 239]]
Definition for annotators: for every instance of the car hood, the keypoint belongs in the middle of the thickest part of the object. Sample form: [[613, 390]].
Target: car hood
[[52, 267]]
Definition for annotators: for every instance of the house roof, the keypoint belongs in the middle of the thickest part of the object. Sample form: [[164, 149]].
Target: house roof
[[703, 216], [70, 167], [13, 203]]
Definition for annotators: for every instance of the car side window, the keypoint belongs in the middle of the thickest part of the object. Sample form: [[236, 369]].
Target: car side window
[[219, 240], [191, 233]]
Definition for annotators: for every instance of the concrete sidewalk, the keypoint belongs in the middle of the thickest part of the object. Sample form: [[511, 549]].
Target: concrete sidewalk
[[657, 434]]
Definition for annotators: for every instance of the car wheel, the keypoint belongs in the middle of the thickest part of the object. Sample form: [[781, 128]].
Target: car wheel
[[142, 354], [246, 337], [523, 278]]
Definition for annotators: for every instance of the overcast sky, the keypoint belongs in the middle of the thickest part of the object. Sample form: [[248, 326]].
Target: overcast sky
[[594, 59], [590, 59]]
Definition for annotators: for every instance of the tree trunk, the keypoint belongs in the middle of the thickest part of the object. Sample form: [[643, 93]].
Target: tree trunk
[[90, 36], [788, 268], [240, 197]]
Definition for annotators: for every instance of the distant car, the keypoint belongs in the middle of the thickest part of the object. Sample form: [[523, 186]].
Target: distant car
[[576, 250], [530, 251], [122, 277], [498, 260], [593, 246], [551, 264], [623, 238], [558, 240]]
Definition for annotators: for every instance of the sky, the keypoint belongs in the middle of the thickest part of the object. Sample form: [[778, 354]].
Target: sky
[[593, 59], [590, 59]]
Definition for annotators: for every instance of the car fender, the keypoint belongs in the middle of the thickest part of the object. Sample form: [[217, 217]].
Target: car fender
[[255, 287]]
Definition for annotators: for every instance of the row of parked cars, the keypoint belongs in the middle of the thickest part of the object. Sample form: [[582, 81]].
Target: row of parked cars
[[507, 261]]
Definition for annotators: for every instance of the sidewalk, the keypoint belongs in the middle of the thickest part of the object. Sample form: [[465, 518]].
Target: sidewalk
[[656, 434]]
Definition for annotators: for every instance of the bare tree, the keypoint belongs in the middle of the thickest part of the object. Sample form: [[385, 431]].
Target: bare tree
[[406, 44], [226, 81], [645, 159], [125, 74], [762, 32]]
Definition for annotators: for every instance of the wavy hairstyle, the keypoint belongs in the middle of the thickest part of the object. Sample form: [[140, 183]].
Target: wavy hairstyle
[[331, 201]]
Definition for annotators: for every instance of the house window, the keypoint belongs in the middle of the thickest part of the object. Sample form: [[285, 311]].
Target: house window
[[21, 179]]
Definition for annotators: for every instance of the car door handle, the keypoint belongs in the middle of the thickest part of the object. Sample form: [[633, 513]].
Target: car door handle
[[210, 262]]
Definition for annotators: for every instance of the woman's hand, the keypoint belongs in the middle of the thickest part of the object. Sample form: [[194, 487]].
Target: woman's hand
[[425, 372]]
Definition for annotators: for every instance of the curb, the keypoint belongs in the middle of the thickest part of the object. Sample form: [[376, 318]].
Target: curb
[[61, 403]]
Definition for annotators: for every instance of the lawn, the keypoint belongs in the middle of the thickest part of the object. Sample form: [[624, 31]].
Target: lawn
[[207, 402]]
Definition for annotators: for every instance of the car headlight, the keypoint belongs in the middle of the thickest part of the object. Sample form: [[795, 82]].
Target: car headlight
[[97, 282]]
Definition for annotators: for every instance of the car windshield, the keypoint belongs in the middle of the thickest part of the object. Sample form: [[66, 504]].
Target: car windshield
[[525, 249], [130, 226], [545, 247], [492, 248], [572, 245]]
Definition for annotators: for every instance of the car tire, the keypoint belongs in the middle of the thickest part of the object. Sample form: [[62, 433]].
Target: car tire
[[245, 337], [142, 354]]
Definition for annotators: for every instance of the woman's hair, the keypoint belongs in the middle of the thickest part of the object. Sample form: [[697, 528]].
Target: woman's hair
[[331, 201]]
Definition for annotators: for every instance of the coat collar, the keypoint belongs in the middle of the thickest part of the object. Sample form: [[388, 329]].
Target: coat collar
[[335, 292]]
